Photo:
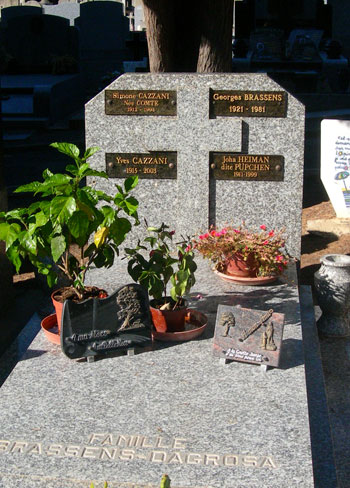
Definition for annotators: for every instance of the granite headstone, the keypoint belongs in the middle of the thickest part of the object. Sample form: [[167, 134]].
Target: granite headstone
[[238, 141]]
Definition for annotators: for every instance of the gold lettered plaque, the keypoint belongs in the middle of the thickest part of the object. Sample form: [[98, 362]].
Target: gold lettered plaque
[[241, 103], [152, 165], [248, 167], [140, 102]]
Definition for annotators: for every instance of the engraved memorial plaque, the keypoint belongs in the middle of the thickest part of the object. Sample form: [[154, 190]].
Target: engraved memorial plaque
[[241, 103], [247, 335], [247, 167], [153, 165], [140, 102], [100, 326]]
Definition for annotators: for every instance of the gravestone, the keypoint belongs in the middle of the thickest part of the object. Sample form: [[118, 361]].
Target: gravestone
[[209, 149], [38, 43], [103, 32], [177, 409], [67, 10]]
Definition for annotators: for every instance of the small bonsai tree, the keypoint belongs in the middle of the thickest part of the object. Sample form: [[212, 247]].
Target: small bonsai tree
[[69, 216]]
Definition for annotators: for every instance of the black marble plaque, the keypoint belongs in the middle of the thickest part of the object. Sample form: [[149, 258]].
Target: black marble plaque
[[241, 103], [247, 167], [247, 335], [153, 165], [101, 326], [140, 102]]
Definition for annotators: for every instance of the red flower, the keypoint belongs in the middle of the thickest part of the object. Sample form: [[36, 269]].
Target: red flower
[[172, 232], [237, 231], [279, 258], [212, 233], [263, 227], [271, 233], [188, 248], [102, 294], [265, 242]]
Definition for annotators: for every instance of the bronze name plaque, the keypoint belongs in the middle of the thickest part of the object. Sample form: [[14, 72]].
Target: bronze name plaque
[[241, 103], [140, 102], [248, 167], [158, 165]]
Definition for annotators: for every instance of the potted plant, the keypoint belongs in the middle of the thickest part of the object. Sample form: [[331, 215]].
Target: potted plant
[[154, 265], [242, 253], [71, 227]]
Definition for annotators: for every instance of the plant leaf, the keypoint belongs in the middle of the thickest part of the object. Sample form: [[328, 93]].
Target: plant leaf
[[109, 215], [70, 150], [131, 183], [90, 151], [119, 229], [58, 246], [29, 187], [78, 224], [13, 255], [28, 242], [101, 236], [9, 233], [62, 208]]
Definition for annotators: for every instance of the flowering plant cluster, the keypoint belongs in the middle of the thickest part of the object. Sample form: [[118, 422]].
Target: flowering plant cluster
[[264, 248]]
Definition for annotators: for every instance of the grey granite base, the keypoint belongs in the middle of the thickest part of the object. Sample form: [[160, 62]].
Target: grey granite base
[[174, 410]]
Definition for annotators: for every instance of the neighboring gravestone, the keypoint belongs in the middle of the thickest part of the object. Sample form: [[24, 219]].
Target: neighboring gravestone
[[103, 32], [70, 11], [39, 42], [209, 149]]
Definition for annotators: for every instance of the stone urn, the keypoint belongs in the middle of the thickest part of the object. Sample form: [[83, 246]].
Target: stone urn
[[332, 284]]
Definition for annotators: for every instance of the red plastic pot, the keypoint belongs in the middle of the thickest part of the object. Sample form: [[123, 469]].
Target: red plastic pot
[[168, 320]]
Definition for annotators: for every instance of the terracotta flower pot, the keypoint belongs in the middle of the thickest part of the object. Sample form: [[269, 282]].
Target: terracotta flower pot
[[237, 266], [168, 320], [92, 291]]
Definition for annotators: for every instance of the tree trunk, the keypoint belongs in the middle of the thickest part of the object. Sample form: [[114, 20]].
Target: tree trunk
[[215, 52], [189, 36]]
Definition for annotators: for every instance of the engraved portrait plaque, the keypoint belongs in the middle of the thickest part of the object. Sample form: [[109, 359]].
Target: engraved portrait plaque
[[152, 165], [247, 167], [101, 326], [241, 103], [247, 335], [140, 102]]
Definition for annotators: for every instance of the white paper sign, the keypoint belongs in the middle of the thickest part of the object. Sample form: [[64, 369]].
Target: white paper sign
[[335, 164]]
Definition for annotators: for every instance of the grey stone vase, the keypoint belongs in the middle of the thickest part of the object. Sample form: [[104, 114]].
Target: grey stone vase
[[332, 283]]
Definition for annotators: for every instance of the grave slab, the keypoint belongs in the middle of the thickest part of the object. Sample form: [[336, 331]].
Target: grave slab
[[250, 134], [174, 410]]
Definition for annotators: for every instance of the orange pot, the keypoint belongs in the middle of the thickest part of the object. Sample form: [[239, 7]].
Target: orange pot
[[237, 266], [58, 309], [168, 320]]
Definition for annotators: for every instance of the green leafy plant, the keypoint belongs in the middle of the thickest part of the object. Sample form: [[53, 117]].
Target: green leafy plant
[[154, 265], [72, 225], [264, 248]]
